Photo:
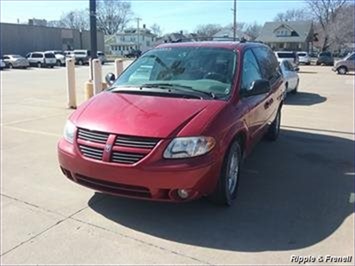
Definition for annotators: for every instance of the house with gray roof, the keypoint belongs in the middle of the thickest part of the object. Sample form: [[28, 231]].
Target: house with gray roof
[[287, 35]]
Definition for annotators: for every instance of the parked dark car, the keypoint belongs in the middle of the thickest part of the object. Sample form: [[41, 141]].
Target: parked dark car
[[325, 58], [177, 123], [134, 53]]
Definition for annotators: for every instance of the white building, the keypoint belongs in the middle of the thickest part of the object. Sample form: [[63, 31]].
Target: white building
[[123, 43]]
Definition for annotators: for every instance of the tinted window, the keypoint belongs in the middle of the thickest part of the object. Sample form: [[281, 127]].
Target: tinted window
[[36, 55], [5, 57], [269, 65], [80, 53], [286, 55], [325, 54], [49, 55], [250, 72], [302, 54], [352, 57]]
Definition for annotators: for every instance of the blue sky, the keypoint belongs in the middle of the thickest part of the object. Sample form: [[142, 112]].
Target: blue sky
[[170, 15]]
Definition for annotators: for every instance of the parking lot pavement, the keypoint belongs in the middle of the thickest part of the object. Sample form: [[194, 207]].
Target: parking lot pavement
[[295, 198]]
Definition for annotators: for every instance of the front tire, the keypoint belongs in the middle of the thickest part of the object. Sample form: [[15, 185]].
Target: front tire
[[59, 63], [274, 129], [228, 182], [39, 65], [342, 70], [11, 66]]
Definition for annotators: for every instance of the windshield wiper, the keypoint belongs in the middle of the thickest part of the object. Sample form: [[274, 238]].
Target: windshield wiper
[[176, 86]]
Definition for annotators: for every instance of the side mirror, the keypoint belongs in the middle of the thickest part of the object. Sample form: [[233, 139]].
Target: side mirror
[[297, 69], [258, 87], [110, 78]]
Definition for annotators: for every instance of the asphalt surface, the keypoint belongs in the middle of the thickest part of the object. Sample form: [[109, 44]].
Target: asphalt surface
[[296, 195]]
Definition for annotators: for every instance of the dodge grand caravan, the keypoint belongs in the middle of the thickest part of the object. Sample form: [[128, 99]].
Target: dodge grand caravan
[[177, 123]]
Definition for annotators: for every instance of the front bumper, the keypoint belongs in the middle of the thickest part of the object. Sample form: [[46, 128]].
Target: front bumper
[[148, 179]]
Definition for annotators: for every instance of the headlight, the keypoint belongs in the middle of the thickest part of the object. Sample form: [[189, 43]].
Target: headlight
[[69, 131], [189, 147]]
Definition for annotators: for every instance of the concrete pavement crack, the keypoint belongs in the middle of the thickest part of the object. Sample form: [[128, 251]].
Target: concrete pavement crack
[[143, 242], [48, 228], [92, 225]]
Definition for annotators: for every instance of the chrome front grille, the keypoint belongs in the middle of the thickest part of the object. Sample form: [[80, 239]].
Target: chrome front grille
[[120, 149], [136, 142], [126, 158], [93, 136], [91, 152]]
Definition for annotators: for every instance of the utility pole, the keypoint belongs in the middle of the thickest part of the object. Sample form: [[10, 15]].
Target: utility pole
[[235, 21], [138, 33], [93, 29]]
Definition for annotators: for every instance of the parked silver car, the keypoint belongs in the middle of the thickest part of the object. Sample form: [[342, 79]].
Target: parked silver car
[[345, 65], [15, 61], [42, 59], [2, 64], [290, 75], [304, 58], [292, 57]]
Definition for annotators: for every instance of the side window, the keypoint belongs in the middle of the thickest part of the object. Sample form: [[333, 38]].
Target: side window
[[37, 55], [351, 58], [270, 68], [250, 72]]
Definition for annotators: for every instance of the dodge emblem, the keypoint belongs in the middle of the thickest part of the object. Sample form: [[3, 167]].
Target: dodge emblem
[[108, 147]]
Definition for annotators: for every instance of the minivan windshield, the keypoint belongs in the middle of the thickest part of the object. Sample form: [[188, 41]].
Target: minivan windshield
[[205, 69]]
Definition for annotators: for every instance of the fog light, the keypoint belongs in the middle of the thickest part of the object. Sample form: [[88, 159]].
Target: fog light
[[183, 193]]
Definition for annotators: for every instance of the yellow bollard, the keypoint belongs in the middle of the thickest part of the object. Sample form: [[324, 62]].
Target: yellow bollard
[[118, 67], [89, 90], [70, 67], [97, 76]]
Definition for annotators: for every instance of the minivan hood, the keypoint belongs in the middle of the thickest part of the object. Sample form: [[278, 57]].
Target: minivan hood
[[144, 115]]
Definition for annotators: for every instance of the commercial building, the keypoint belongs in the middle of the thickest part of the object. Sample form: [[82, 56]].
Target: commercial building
[[23, 38]]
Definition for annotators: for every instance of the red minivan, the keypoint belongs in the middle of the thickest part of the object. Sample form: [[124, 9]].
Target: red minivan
[[177, 123]]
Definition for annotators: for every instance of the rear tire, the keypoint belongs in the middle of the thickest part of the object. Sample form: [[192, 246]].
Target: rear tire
[[80, 62], [274, 129], [228, 182], [39, 65]]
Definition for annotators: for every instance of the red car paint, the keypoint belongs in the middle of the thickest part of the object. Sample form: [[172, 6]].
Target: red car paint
[[160, 119]]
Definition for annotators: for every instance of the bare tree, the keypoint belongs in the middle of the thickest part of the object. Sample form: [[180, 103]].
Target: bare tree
[[293, 15], [78, 19], [208, 30], [253, 30], [113, 15], [341, 31], [325, 13], [155, 28]]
